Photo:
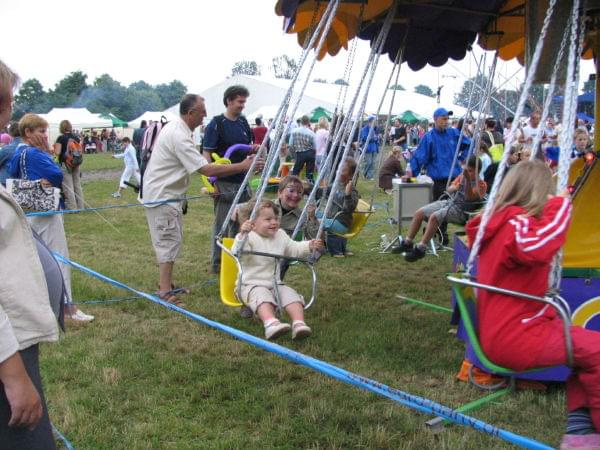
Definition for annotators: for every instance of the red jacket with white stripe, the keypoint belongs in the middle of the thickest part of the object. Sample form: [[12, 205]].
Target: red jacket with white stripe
[[516, 253]]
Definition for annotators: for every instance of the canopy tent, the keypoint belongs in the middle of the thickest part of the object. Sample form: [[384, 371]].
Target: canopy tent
[[410, 117], [155, 116], [584, 116], [319, 112], [79, 118], [115, 120]]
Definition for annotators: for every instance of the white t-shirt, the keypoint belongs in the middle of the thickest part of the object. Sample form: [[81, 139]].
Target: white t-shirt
[[174, 159], [529, 133], [321, 137], [129, 157]]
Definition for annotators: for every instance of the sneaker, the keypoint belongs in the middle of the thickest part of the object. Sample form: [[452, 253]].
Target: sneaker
[[246, 312], [580, 442], [404, 247], [78, 316], [276, 329], [116, 195], [338, 255], [349, 254], [300, 331], [416, 253]]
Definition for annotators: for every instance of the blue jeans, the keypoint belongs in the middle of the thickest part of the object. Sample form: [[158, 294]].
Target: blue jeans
[[336, 244], [369, 165]]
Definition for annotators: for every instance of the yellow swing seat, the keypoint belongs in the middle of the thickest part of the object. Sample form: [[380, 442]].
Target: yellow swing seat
[[230, 269], [359, 219]]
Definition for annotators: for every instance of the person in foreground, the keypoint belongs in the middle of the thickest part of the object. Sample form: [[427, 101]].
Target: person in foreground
[[527, 228], [26, 317], [264, 234]]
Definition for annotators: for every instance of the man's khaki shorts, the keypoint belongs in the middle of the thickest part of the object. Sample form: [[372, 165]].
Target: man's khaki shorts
[[254, 296], [166, 232]]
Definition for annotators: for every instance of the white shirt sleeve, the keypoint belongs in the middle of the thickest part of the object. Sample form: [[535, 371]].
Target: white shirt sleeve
[[188, 155], [8, 341]]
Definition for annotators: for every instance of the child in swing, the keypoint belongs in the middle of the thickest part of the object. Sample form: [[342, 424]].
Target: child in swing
[[527, 228], [265, 235]]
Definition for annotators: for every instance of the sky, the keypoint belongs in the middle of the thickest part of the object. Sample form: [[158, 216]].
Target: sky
[[196, 42]]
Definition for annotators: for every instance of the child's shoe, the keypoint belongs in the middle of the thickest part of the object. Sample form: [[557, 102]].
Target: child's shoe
[[116, 195], [580, 442], [416, 253], [300, 330], [276, 329]]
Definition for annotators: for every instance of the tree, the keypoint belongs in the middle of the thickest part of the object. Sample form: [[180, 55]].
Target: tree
[[320, 80], [31, 98], [67, 91], [341, 81], [589, 87], [245, 68], [397, 87], [284, 67], [171, 93], [424, 90], [106, 95]]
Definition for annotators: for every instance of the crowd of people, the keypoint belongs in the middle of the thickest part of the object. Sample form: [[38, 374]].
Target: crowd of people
[[527, 228]]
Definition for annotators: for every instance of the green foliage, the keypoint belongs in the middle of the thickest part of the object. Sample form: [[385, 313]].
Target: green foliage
[[589, 86], [245, 68], [171, 93], [424, 90], [31, 98], [397, 87], [68, 90], [284, 67]]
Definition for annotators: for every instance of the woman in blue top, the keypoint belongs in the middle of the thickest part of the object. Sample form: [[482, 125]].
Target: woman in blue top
[[39, 165]]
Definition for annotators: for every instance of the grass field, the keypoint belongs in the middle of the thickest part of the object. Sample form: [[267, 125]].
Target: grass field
[[141, 376]]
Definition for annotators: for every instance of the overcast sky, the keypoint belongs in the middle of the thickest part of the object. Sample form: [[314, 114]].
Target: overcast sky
[[194, 41]]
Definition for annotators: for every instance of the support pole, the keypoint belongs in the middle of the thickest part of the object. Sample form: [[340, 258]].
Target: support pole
[[597, 93]]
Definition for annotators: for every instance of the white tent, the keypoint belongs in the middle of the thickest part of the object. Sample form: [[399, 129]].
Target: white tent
[[152, 115], [79, 118]]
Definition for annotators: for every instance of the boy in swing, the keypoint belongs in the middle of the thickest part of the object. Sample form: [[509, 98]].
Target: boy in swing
[[264, 234]]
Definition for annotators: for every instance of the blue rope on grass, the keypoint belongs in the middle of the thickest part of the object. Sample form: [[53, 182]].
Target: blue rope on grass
[[411, 401], [100, 208], [64, 440]]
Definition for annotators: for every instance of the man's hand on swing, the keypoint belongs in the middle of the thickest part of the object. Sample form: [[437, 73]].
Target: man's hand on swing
[[349, 187], [316, 245]]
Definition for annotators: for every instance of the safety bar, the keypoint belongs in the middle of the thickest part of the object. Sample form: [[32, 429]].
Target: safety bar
[[554, 300]]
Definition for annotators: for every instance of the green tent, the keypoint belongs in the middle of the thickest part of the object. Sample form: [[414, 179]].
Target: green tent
[[319, 112], [410, 117], [115, 120]]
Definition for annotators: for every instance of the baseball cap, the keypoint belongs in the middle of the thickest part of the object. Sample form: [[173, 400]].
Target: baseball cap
[[372, 117], [441, 112]]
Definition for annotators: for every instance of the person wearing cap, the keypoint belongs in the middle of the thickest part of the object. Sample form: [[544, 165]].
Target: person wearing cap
[[369, 141], [435, 153]]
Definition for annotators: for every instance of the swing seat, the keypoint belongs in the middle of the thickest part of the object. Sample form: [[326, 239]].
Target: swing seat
[[230, 270], [466, 299], [359, 219]]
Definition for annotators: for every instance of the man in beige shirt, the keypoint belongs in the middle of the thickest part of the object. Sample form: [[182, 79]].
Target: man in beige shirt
[[167, 177]]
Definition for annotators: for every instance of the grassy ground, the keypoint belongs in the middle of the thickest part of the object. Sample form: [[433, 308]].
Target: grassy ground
[[141, 376], [100, 161]]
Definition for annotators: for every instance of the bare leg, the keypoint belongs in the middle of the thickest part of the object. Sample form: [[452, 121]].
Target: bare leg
[[432, 226], [415, 224], [295, 311], [166, 276], [266, 312]]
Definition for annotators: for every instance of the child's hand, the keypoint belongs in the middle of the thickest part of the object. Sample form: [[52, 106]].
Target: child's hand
[[316, 245], [247, 226], [349, 187], [564, 193]]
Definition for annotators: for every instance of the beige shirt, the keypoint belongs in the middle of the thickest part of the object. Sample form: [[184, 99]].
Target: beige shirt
[[259, 270], [26, 317], [174, 159]]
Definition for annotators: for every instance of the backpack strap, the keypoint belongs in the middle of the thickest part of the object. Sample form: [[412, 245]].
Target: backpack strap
[[23, 162], [491, 135]]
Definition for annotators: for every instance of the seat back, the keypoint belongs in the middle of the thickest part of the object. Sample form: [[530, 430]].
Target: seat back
[[228, 276], [359, 219], [467, 306]]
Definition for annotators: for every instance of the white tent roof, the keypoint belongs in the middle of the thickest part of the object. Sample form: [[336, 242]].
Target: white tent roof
[[79, 118], [266, 94], [153, 115]]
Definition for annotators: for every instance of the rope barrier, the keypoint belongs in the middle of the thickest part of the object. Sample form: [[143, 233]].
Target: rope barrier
[[100, 208], [411, 401], [58, 435]]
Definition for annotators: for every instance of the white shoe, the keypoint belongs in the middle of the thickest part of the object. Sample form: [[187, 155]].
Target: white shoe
[[276, 329], [79, 316], [301, 331], [116, 195]]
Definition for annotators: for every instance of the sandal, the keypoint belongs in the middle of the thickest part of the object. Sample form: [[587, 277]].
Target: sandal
[[169, 297], [179, 290]]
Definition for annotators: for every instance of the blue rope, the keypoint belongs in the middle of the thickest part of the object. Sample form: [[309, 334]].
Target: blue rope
[[100, 208], [412, 401], [64, 440]]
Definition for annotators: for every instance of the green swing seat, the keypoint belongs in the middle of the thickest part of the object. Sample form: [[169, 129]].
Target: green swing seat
[[466, 299]]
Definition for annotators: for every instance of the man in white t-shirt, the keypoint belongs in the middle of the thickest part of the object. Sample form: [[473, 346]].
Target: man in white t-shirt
[[531, 130], [167, 177]]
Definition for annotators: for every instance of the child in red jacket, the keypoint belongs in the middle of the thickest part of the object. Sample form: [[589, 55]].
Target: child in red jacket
[[527, 228]]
